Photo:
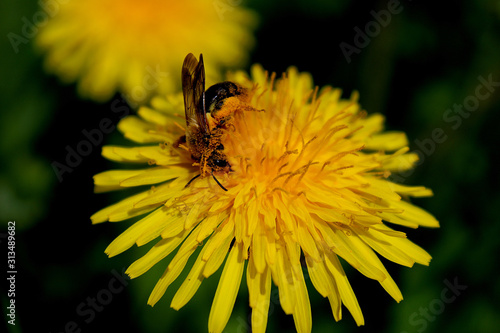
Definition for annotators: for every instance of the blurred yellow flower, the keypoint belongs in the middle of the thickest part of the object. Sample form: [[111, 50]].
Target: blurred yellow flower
[[308, 185], [137, 47]]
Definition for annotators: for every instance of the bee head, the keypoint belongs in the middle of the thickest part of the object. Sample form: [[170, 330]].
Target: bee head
[[216, 94], [221, 163]]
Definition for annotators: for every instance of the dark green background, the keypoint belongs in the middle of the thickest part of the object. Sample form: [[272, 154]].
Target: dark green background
[[427, 59]]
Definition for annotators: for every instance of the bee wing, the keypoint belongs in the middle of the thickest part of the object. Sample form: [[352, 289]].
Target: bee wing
[[193, 88]]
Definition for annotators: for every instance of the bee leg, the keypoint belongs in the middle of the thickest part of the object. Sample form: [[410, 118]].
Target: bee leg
[[180, 141], [248, 107], [203, 166], [189, 182], [222, 187]]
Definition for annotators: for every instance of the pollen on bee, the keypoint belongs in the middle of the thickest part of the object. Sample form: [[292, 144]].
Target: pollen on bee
[[230, 105]]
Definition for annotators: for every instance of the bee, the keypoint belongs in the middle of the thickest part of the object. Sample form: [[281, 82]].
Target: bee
[[203, 138]]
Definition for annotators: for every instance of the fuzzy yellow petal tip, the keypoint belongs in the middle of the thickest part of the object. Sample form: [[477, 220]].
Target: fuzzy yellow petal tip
[[82, 43]]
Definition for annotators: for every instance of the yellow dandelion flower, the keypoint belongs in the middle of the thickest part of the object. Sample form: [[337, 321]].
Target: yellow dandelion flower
[[308, 185], [137, 47]]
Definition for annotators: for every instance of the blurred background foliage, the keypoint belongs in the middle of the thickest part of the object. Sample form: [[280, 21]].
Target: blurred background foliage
[[418, 66]]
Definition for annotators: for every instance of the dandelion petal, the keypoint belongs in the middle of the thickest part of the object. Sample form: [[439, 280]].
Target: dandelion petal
[[227, 290]]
